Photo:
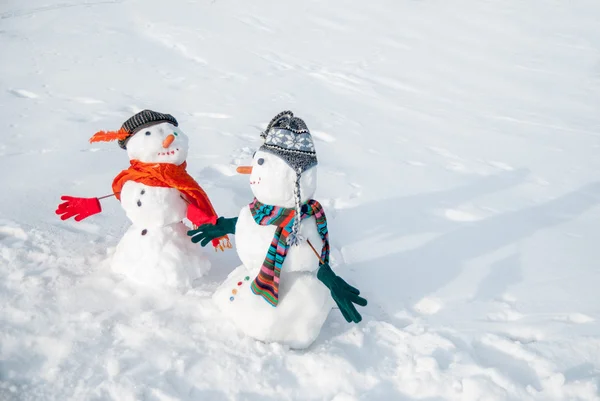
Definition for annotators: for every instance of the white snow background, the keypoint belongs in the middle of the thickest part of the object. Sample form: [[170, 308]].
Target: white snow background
[[458, 145]]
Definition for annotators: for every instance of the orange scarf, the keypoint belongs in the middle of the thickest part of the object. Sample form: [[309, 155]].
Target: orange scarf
[[168, 175]]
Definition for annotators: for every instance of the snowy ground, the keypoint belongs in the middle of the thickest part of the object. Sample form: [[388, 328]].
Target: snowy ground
[[459, 147]]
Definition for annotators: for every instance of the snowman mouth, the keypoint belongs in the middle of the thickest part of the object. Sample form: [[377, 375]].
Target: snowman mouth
[[171, 152], [255, 182]]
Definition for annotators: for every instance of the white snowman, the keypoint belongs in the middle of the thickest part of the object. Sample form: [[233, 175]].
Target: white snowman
[[284, 290], [157, 194]]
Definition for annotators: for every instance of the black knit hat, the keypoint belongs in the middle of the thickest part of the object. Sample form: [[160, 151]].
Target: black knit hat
[[143, 119]]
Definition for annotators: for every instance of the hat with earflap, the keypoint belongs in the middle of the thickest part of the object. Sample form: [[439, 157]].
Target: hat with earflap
[[288, 137], [141, 120]]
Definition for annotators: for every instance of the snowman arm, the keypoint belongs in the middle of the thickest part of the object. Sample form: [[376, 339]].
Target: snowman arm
[[207, 232], [344, 295], [80, 208]]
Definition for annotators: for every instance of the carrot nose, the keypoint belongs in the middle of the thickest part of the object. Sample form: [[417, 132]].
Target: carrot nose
[[244, 169], [168, 140]]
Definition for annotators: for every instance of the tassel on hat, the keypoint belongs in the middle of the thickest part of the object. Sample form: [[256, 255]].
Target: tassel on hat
[[295, 238], [107, 136]]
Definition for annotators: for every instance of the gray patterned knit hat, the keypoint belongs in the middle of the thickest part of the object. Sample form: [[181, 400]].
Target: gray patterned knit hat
[[288, 137], [144, 119]]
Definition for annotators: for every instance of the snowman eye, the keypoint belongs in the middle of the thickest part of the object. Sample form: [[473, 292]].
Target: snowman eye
[[175, 133], [260, 161], [148, 133]]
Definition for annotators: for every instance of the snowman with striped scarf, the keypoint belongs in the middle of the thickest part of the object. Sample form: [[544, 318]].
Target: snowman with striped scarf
[[285, 288]]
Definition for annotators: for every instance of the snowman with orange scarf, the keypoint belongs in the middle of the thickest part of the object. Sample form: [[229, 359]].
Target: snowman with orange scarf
[[156, 193]]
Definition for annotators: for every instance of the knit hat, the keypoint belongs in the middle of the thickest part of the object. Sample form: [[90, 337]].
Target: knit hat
[[288, 137], [143, 119]]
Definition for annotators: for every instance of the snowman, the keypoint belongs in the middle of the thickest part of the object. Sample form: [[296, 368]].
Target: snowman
[[156, 193], [285, 288]]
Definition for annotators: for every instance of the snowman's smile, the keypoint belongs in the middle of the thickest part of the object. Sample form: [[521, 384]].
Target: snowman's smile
[[255, 182], [168, 152]]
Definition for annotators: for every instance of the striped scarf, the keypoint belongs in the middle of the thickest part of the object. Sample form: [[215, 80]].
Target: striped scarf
[[266, 284]]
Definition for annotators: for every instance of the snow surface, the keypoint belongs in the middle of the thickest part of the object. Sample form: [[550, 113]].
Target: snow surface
[[458, 148]]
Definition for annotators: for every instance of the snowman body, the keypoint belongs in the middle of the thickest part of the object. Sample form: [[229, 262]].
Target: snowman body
[[156, 251], [304, 302]]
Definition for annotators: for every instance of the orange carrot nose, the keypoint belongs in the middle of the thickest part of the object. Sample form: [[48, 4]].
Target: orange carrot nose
[[244, 169], [168, 140]]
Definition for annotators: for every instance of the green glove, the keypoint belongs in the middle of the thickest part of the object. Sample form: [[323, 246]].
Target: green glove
[[207, 232], [344, 295]]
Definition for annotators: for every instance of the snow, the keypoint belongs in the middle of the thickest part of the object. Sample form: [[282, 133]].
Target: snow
[[457, 166]]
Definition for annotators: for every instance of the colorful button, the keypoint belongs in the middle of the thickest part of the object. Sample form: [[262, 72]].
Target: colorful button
[[231, 298], [234, 291], [247, 278], [239, 283]]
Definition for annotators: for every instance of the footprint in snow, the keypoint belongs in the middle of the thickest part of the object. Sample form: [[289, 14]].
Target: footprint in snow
[[506, 314], [428, 306], [444, 153], [86, 100], [255, 23], [459, 215], [456, 167], [522, 335], [577, 318], [131, 109], [220, 116], [415, 163], [500, 165], [323, 136], [10, 235], [226, 170], [23, 94]]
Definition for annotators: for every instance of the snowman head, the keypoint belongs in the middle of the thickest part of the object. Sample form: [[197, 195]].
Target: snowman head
[[159, 143], [273, 181], [283, 171], [150, 137]]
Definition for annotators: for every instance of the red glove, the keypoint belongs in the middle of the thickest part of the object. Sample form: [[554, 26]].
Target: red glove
[[78, 207], [198, 217]]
